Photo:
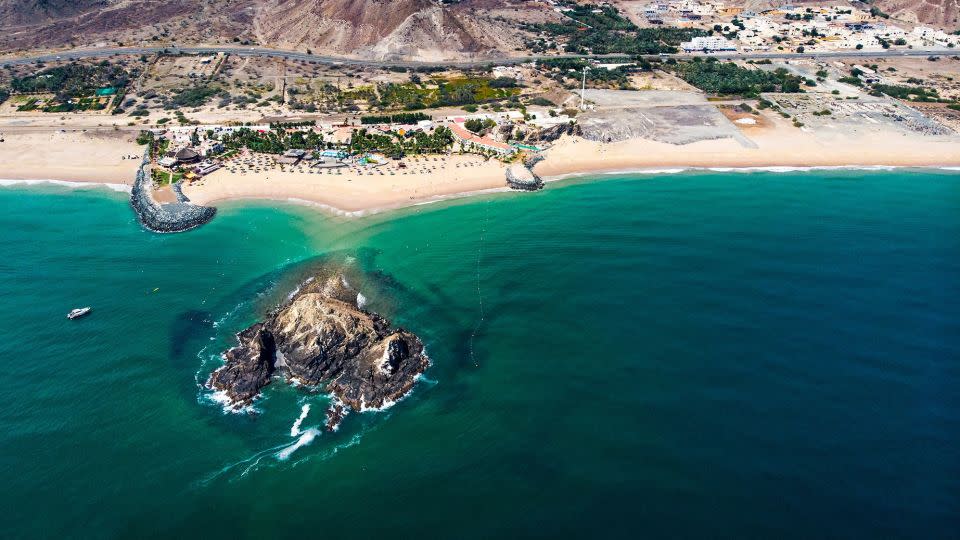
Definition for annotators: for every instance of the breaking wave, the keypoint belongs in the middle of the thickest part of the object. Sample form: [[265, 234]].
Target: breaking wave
[[306, 438], [295, 428]]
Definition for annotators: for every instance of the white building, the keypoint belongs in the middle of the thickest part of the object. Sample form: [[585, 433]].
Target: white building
[[543, 120], [708, 44], [207, 167], [512, 72], [933, 36]]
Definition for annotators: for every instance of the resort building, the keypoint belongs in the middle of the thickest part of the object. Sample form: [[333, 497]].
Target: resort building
[[187, 156], [167, 161], [470, 140], [291, 157], [543, 120]]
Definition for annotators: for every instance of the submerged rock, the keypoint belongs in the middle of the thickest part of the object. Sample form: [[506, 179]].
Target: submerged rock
[[319, 337]]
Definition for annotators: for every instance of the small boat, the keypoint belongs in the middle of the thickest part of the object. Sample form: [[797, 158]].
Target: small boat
[[79, 312]]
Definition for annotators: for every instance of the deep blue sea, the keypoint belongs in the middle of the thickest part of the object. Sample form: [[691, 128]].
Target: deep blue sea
[[705, 354]]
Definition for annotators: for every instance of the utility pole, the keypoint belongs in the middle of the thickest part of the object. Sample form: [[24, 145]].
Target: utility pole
[[583, 90]]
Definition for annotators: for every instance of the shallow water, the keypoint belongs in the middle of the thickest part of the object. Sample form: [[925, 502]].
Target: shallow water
[[695, 354]]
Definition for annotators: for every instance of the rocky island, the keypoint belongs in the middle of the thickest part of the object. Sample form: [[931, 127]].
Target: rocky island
[[320, 337]]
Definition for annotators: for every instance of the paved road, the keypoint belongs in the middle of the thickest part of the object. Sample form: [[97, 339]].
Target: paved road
[[322, 59]]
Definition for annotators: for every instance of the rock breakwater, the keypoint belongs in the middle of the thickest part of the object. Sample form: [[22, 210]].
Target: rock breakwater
[[165, 218], [522, 178]]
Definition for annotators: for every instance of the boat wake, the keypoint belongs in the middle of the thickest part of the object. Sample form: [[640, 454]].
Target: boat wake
[[476, 328]]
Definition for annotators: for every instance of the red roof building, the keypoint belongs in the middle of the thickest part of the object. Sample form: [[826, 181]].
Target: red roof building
[[466, 137]]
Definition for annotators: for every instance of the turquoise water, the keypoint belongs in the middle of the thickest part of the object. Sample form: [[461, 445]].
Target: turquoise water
[[702, 354]]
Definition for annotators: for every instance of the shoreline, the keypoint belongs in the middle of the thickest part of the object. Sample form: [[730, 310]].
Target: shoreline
[[776, 169], [358, 192], [77, 160], [464, 195], [775, 150]]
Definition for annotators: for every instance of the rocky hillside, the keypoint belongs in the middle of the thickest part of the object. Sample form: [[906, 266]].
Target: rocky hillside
[[941, 13], [53, 23], [24, 12], [374, 29], [368, 28]]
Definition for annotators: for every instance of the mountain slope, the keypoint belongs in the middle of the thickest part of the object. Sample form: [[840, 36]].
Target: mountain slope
[[369, 28], [51, 23], [377, 29], [25, 12], [941, 13]]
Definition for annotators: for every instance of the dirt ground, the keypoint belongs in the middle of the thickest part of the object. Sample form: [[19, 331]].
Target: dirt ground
[[660, 80], [748, 122]]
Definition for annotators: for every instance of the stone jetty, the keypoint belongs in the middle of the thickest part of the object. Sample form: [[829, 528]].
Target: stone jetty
[[165, 218]]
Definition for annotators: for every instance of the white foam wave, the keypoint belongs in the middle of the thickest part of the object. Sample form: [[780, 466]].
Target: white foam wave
[[389, 402], [221, 398], [299, 287], [295, 428], [790, 169], [453, 196], [386, 405], [306, 438], [361, 300], [330, 209], [771, 169], [73, 185]]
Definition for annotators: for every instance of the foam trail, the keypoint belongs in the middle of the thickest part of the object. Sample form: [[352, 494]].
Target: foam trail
[[306, 438], [361, 300], [295, 429], [73, 185], [476, 328]]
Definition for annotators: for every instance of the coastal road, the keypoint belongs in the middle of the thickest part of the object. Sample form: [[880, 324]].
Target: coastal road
[[71, 54]]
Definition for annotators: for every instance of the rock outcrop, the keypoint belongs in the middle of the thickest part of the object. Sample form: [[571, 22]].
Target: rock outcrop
[[319, 337], [553, 133]]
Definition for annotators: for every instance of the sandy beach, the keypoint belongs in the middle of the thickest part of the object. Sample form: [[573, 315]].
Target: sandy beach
[[351, 189], [107, 156], [391, 187], [774, 149]]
